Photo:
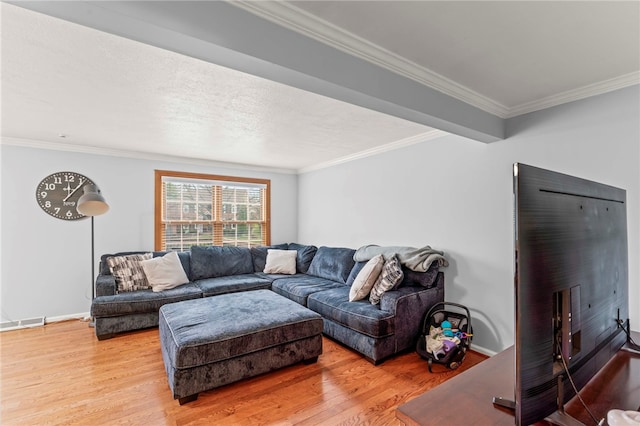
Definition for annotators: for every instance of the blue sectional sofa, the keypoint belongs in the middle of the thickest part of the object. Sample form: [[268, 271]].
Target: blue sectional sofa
[[321, 283]]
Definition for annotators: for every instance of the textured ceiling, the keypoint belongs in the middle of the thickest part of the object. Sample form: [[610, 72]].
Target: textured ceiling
[[111, 94]]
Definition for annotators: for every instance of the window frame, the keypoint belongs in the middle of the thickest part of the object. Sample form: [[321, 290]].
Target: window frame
[[159, 224]]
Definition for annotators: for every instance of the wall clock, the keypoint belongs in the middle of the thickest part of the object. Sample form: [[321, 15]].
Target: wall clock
[[58, 194]]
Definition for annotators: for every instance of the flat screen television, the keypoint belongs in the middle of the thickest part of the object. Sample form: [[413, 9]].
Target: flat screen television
[[571, 286]]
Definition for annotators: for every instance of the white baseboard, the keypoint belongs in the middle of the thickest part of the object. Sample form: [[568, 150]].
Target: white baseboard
[[81, 315], [40, 321], [482, 350]]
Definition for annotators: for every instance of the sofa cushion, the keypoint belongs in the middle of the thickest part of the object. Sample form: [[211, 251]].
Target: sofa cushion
[[305, 256], [366, 278], [280, 262], [299, 287], [164, 272], [232, 284], [141, 301], [390, 278], [220, 261], [128, 271], [361, 316], [259, 255], [357, 267], [332, 263]]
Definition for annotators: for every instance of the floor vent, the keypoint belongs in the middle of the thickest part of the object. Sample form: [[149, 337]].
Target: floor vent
[[23, 323]]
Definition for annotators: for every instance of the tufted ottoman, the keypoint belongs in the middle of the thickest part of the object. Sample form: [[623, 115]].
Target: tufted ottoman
[[210, 342]]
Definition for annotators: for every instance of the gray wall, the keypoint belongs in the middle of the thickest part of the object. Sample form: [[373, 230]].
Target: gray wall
[[456, 195], [46, 262]]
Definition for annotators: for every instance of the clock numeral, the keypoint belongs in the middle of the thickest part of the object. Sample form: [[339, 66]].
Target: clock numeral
[[69, 213], [57, 180], [50, 186], [57, 209], [47, 204], [43, 194], [69, 178]]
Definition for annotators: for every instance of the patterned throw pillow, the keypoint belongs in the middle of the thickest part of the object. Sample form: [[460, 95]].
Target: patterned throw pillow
[[128, 271], [389, 279]]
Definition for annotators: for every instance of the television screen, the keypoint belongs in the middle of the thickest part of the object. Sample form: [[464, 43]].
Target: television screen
[[571, 285]]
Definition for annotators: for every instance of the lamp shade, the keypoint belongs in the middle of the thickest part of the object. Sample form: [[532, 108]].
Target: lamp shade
[[92, 203]]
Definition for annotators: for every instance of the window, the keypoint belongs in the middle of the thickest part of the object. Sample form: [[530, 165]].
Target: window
[[198, 209]]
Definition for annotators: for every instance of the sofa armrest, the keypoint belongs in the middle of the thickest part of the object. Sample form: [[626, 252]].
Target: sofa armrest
[[105, 285], [409, 305]]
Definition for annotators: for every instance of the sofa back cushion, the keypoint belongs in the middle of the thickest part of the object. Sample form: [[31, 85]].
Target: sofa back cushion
[[304, 257], [425, 279], [332, 263], [220, 261]]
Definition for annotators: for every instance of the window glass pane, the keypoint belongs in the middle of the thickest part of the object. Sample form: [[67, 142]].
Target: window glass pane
[[188, 211], [255, 196], [255, 213], [229, 232], [173, 211], [241, 212], [188, 192], [172, 191], [243, 232], [204, 211]]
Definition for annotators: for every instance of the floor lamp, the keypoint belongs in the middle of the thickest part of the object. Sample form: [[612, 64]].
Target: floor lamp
[[92, 203]]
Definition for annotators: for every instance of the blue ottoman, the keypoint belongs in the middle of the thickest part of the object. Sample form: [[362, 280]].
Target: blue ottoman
[[210, 342]]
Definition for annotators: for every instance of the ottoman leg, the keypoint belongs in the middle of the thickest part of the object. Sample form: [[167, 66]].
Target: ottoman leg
[[189, 398], [310, 360]]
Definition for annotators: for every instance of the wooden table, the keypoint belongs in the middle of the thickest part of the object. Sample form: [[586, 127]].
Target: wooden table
[[468, 397]]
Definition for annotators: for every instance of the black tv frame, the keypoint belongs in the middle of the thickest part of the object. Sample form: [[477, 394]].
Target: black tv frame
[[571, 286]]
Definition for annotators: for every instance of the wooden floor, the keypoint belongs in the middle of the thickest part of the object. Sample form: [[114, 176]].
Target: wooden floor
[[61, 374]]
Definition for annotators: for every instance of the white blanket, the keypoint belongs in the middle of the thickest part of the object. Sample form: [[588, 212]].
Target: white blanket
[[416, 259]]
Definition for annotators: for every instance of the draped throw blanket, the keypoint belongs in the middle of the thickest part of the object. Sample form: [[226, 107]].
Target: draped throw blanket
[[416, 259]]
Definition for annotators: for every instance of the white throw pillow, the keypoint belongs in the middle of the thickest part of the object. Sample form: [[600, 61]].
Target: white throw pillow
[[281, 262], [366, 278], [164, 273]]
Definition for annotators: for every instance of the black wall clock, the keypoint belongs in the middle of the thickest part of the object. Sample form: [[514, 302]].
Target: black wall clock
[[58, 194]]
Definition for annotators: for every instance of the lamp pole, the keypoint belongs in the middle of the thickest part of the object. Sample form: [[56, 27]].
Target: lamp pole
[[92, 203]]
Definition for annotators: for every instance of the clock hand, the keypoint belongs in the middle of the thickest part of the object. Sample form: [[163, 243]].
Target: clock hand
[[72, 192]]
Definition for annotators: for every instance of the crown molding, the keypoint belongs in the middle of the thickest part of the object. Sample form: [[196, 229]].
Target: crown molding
[[576, 94], [57, 146], [302, 22], [412, 140]]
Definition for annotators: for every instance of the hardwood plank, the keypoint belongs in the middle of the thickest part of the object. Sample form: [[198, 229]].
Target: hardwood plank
[[61, 374]]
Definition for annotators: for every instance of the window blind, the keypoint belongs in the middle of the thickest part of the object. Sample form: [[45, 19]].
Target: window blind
[[196, 209]]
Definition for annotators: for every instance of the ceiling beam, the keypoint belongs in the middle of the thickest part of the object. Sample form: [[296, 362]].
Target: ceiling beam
[[221, 33]]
